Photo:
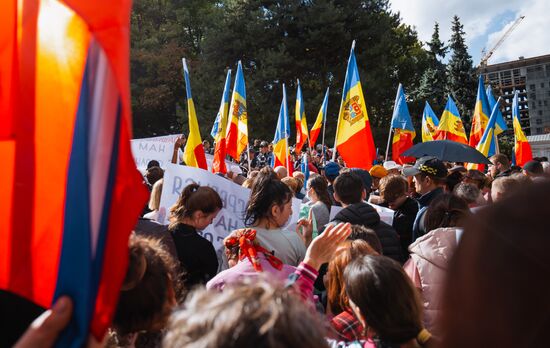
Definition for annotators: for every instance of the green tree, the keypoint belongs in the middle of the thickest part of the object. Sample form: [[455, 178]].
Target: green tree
[[461, 79], [433, 82]]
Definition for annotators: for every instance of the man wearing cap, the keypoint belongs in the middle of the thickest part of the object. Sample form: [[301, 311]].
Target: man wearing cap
[[331, 171], [429, 175], [533, 169], [392, 167], [264, 156]]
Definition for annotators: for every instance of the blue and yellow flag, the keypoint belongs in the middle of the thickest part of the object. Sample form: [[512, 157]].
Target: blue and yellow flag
[[219, 129], [319, 122], [481, 114], [282, 133], [500, 121], [487, 143], [354, 139], [193, 154], [450, 124], [430, 122], [404, 132]]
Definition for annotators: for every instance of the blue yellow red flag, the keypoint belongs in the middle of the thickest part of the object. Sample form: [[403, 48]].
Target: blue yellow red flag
[[402, 125], [282, 133], [354, 139], [500, 122], [219, 129], [193, 154], [450, 124], [522, 148], [300, 118], [480, 118], [487, 143], [237, 130], [430, 122], [65, 100], [320, 121]]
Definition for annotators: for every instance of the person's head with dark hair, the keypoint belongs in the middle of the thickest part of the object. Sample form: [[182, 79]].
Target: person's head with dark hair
[[368, 235], [154, 174], [349, 189], [490, 301], [429, 174], [470, 193], [475, 177], [149, 290], [337, 300], [270, 203], [452, 180], [393, 190], [446, 210], [385, 301], [197, 206], [153, 163], [317, 190], [254, 314], [499, 164], [366, 178]]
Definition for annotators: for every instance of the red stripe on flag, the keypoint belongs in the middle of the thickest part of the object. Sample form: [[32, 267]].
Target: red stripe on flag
[[231, 141], [218, 164], [358, 151], [200, 157]]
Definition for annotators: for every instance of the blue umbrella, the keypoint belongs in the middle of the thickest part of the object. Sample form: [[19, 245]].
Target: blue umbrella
[[447, 150]]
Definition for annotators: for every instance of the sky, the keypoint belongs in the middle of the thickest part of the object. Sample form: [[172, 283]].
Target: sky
[[485, 21]]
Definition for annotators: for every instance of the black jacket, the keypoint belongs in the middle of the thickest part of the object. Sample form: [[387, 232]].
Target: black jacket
[[197, 256], [365, 215], [403, 220], [423, 204]]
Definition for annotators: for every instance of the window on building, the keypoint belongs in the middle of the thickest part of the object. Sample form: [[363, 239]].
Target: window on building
[[540, 112], [538, 121], [539, 130], [533, 96], [534, 107], [540, 102], [542, 85], [546, 103], [532, 87]]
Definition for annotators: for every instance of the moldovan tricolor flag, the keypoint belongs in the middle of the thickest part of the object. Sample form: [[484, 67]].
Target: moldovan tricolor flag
[[481, 114], [219, 129], [319, 122], [500, 123], [193, 154], [402, 125], [281, 154], [430, 122], [301, 123], [487, 143], [522, 148], [70, 192], [354, 137], [450, 124], [237, 130]]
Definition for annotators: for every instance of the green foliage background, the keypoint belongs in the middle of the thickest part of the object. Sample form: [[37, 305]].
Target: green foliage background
[[280, 42]]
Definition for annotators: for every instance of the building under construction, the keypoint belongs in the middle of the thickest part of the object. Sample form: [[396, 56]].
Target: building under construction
[[531, 77]]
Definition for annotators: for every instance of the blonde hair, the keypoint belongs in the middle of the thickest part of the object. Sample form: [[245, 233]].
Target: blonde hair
[[154, 199]]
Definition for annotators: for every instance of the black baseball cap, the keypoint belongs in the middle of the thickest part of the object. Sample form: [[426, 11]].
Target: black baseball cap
[[428, 165]]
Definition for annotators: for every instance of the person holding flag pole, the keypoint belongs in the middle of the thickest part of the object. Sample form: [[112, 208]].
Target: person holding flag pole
[[219, 129], [353, 138]]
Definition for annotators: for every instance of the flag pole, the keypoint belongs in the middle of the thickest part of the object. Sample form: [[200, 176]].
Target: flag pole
[[388, 144], [497, 148], [324, 127], [341, 104]]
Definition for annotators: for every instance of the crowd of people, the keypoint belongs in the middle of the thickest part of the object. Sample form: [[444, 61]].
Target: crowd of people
[[462, 264]]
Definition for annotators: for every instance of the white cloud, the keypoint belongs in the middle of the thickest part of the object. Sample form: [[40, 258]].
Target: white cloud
[[530, 38], [479, 18]]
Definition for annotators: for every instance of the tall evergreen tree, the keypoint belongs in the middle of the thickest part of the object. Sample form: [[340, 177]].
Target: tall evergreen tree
[[433, 83], [461, 79]]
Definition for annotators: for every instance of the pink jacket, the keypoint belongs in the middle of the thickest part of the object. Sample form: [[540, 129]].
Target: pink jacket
[[427, 268]]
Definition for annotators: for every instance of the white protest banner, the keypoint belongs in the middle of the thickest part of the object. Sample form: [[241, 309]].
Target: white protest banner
[[161, 149], [386, 214], [234, 197], [155, 148]]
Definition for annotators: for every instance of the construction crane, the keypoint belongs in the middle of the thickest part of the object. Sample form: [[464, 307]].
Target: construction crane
[[487, 55]]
